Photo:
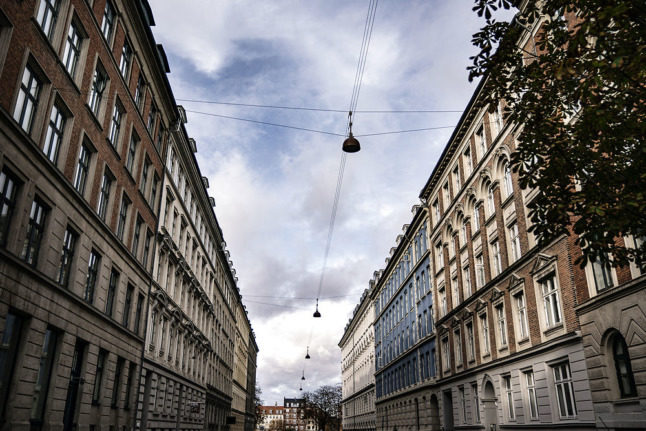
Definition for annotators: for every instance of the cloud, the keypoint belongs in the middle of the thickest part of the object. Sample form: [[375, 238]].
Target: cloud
[[274, 187]]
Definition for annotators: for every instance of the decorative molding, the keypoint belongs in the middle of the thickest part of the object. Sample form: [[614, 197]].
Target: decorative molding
[[542, 261]]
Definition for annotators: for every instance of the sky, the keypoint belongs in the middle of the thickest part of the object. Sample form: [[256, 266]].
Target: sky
[[274, 187]]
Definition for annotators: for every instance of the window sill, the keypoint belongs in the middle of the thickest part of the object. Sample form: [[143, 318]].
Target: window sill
[[503, 348], [551, 330], [486, 356], [113, 148], [508, 199], [627, 401], [94, 117], [523, 341]]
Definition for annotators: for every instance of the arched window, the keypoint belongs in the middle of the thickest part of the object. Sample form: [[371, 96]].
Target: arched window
[[490, 200], [508, 185], [625, 377]]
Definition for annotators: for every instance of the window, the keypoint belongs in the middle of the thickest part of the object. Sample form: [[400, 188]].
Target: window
[[602, 274], [468, 162], [446, 355], [47, 14], [446, 196], [457, 345], [92, 272], [27, 102], [82, 168], [104, 194], [502, 324], [132, 152], [153, 190], [69, 239], [138, 311], [531, 394], [127, 305], [135, 240], [44, 375], [115, 124], [99, 83], [495, 120], [509, 188], [107, 26], [480, 271], [98, 377], [117, 382], [476, 402], [9, 342], [551, 302], [132, 369], [144, 175], [126, 59], [144, 259], [139, 93], [522, 315], [72, 49], [152, 117], [112, 291], [35, 229], [509, 397], [8, 187], [436, 210], [475, 219], [481, 145], [485, 333], [54, 135], [470, 341], [456, 179], [463, 404], [497, 260], [491, 203], [514, 240], [439, 256], [564, 390], [123, 214], [442, 292], [625, 376], [466, 281]]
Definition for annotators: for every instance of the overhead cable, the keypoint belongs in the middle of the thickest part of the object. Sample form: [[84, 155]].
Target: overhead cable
[[305, 108], [305, 129]]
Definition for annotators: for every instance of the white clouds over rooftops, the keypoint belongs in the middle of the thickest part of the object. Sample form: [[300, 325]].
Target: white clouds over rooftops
[[274, 186]]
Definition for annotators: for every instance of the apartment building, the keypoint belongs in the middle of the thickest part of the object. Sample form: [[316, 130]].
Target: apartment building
[[521, 336], [117, 297], [245, 351], [252, 361], [358, 367], [405, 329], [83, 103], [272, 418], [294, 414]]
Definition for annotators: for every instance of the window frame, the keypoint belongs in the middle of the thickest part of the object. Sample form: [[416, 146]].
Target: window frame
[[48, 17], [83, 163], [108, 23], [92, 275], [35, 231], [10, 185], [70, 237], [26, 99], [73, 47], [562, 387], [98, 88]]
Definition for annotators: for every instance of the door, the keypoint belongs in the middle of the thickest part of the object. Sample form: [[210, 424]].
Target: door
[[490, 410], [71, 403]]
